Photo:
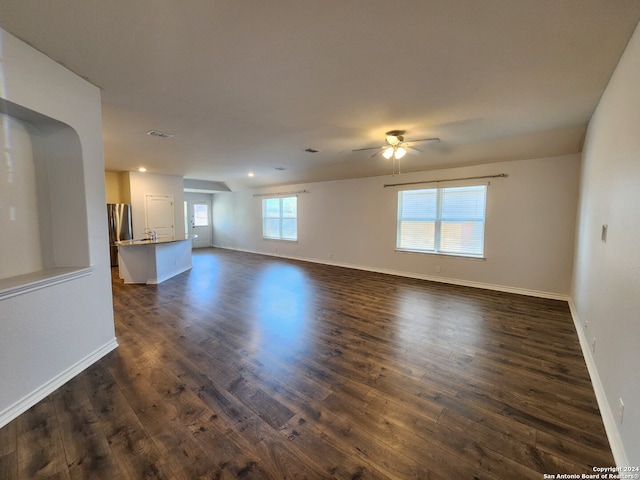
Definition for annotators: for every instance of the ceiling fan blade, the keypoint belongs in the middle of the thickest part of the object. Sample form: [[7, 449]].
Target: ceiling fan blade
[[413, 148], [366, 148], [433, 139]]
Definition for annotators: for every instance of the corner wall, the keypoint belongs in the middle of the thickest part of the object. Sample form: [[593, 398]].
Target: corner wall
[[50, 333], [529, 240], [605, 295]]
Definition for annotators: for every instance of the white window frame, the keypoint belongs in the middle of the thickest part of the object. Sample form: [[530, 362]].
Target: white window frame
[[281, 218], [438, 248]]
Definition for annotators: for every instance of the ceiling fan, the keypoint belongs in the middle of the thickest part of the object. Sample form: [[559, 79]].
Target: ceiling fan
[[396, 147]]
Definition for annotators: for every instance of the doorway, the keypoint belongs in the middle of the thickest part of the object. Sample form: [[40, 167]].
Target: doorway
[[198, 219]]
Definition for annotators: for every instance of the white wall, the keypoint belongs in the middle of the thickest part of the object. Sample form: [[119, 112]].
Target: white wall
[[49, 334], [142, 184], [19, 222], [606, 277], [529, 227]]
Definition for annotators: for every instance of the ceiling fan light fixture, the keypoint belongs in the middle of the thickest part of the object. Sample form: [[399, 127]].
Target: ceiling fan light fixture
[[387, 153], [396, 147], [394, 151]]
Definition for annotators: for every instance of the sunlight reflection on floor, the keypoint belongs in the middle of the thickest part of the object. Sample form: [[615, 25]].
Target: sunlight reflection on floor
[[281, 310]]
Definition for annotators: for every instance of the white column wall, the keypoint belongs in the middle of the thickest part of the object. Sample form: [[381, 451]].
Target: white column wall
[[50, 334]]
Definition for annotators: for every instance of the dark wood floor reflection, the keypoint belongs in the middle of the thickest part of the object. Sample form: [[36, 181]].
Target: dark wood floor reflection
[[255, 367]]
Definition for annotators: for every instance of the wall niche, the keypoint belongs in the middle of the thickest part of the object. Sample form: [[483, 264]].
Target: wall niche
[[44, 235]]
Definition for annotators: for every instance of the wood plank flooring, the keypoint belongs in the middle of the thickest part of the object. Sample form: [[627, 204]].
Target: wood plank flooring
[[255, 367]]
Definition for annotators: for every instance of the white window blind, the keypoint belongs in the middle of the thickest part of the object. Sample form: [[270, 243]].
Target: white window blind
[[442, 220], [280, 218]]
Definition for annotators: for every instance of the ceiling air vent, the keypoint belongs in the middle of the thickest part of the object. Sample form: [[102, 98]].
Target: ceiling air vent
[[155, 133]]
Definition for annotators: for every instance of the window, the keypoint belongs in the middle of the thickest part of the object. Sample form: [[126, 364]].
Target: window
[[442, 220], [280, 218], [200, 215]]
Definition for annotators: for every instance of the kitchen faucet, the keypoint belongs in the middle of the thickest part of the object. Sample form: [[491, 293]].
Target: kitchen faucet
[[151, 234]]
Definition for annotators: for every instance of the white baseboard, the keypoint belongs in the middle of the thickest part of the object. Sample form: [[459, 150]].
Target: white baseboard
[[608, 417], [419, 276], [56, 382], [452, 281]]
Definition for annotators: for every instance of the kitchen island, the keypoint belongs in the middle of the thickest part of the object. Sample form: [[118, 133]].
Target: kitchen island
[[153, 261]]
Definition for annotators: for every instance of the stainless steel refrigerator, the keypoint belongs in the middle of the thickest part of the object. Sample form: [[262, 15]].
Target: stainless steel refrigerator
[[120, 227]]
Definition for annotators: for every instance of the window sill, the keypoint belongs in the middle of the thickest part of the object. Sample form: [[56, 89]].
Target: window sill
[[440, 254], [20, 284], [279, 240]]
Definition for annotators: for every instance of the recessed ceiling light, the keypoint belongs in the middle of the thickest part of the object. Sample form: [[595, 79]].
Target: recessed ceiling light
[[250, 174], [156, 133], [142, 169]]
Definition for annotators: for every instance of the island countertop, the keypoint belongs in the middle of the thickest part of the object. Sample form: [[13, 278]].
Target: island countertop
[[148, 241]]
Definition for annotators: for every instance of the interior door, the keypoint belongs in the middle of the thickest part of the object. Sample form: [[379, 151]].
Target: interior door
[[200, 222], [159, 215]]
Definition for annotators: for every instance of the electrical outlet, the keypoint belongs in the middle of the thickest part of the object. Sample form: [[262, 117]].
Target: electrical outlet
[[621, 411], [593, 345], [586, 324], [330, 256], [438, 269]]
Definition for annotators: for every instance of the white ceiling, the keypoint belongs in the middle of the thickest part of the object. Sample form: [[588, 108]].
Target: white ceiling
[[248, 85]]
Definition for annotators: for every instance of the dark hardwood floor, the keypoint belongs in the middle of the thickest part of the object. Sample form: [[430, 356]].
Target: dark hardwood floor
[[255, 367]]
